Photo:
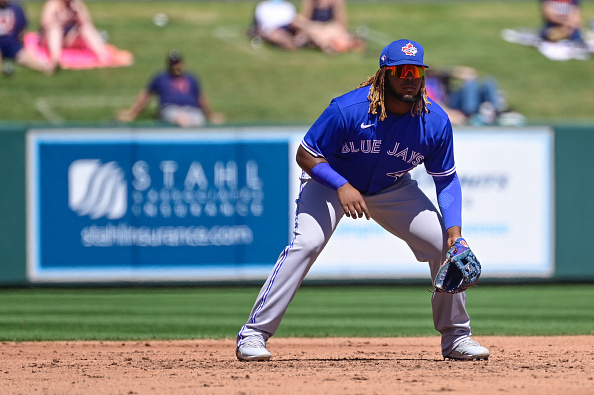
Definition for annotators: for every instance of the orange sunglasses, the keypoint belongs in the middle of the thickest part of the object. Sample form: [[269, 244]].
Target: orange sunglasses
[[402, 70]]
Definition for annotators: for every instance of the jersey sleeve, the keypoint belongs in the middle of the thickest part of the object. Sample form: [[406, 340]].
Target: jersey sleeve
[[449, 199], [328, 133], [441, 161]]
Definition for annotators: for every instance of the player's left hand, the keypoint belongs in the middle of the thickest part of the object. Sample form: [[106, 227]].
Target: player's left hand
[[460, 270], [352, 202]]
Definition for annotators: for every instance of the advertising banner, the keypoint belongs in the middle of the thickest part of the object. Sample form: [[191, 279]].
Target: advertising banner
[[165, 205], [154, 205], [507, 212]]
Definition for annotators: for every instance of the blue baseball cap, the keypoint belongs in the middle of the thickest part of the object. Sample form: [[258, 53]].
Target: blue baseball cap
[[402, 52]]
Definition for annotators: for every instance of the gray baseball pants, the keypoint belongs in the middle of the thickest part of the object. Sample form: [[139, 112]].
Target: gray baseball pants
[[403, 210]]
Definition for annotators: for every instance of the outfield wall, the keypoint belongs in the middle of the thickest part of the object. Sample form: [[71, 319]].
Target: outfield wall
[[13, 237], [97, 205]]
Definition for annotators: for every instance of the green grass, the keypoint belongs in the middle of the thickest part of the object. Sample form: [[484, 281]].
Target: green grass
[[268, 86], [190, 313]]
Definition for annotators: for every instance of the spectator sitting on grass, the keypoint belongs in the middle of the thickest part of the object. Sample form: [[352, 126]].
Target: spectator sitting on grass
[[325, 23], [12, 26], [562, 20], [181, 101], [68, 24], [275, 21], [467, 98]]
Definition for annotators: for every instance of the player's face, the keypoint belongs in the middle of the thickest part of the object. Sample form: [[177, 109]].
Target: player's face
[[405, 89]]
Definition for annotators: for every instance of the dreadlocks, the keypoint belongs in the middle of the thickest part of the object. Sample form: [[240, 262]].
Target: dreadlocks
[[376, 95]]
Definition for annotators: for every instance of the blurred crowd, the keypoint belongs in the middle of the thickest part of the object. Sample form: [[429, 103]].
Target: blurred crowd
[[317, 24], [63, 24]]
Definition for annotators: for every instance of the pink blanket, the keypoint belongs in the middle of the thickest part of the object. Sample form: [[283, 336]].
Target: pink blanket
[[79, 58]]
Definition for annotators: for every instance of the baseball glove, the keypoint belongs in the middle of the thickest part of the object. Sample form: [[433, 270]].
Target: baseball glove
[[460, 270]]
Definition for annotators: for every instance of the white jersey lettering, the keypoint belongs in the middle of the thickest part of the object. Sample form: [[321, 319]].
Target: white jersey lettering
[[402, 154], [375, 149], [352, 145], [366, 146], [415, 158], [393, 152]]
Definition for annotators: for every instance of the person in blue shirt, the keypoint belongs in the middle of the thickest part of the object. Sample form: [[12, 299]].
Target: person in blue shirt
[[12, 28], [356, 160], [562, 20], [181, 99]]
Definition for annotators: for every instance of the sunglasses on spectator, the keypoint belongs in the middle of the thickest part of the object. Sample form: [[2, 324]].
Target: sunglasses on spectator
[[402, 70]]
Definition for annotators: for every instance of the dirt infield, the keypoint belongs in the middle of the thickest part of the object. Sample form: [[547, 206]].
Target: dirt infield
[[518, 365]]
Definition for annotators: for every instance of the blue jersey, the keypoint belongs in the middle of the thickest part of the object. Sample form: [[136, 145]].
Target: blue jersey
[[12, 24], [178, 90], [372, 154]]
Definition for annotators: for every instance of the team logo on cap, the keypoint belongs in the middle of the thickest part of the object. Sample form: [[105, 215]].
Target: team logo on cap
[[409, 49], [383, 58]]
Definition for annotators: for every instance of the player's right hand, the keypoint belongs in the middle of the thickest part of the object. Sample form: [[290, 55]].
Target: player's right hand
[[352, 202]]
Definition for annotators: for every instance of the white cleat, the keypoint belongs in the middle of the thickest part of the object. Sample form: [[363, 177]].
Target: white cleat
[[468, 350], [252, 349]]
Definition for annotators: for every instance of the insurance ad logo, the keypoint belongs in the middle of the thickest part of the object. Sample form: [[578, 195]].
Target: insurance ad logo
[[97, 189], [137, 205]]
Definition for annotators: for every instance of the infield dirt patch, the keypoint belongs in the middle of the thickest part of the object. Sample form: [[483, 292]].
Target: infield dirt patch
[[518, 365]]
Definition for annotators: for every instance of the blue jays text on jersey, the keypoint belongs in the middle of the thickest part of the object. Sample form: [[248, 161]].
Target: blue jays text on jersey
[[373, 154]]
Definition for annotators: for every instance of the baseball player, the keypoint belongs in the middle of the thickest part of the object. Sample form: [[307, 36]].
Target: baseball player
[[356, 160]]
